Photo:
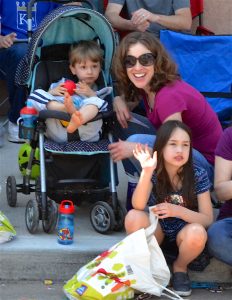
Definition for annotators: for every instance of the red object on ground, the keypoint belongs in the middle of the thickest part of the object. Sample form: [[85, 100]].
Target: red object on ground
[[70, 86]]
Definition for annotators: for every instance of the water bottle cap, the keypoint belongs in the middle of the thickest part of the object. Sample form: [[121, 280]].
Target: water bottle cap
[[66, 207], [28, 111]]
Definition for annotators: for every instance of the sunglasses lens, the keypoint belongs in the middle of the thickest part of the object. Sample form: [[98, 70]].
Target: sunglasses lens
[[130, 61], [146, 59]]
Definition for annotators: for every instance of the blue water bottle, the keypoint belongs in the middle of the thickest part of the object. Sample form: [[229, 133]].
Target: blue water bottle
[[66, 222], [28, 115]]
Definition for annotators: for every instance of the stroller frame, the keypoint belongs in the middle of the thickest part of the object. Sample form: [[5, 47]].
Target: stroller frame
[[105, 215]]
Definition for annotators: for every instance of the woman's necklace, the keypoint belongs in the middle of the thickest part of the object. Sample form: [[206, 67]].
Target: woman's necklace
[[151, 101]]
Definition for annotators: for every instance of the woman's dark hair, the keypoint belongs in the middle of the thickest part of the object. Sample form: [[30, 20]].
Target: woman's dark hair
[[165, 68], [186, 173]]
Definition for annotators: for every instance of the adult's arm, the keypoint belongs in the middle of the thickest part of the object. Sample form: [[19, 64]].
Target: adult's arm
[[122, 111], [182, 20], [223, 178], [176, 116], [112, 13]]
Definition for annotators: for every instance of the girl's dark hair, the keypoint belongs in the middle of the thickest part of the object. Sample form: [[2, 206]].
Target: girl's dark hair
[[84, 50], [165, 68], [186, 173]]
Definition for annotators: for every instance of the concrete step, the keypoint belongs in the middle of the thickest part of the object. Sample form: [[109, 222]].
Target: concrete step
[[39, 256]]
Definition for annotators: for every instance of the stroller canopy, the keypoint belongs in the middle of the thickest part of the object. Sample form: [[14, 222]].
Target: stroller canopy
[[67, 25]]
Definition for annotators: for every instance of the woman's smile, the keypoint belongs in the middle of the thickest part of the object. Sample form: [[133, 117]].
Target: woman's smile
[[140, 75]]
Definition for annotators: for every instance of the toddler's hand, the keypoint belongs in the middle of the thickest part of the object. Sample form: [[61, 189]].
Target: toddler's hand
[[84, 89], [58, 91]]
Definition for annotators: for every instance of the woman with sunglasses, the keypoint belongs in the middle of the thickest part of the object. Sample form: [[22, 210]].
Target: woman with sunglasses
[[144, 70]]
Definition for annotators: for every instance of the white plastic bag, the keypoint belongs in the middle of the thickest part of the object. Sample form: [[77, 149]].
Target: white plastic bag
[[7, 231], [136, 262]]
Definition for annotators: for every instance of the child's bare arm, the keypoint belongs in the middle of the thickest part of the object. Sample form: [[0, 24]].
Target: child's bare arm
[[144, 186], [204, 216]]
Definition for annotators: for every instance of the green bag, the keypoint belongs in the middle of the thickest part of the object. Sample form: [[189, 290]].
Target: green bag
[[7, 231]]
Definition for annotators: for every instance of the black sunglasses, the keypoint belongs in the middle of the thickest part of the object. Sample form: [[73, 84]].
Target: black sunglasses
[[146, 59]]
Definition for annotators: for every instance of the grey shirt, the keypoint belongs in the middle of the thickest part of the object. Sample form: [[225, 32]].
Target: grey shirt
[[161, 7]]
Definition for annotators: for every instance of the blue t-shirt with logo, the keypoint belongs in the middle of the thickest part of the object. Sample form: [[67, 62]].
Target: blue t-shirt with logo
[[14, 16]]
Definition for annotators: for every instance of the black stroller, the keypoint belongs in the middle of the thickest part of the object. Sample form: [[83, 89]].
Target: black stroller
[[75, 170]]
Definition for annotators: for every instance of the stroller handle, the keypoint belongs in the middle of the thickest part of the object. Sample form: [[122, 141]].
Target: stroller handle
[[60, 115], [32, 2]]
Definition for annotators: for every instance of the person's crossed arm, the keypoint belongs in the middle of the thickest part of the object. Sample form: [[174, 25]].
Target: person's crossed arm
[[141, 19]]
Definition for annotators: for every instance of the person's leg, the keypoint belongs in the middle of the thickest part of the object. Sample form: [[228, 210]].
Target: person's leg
[[137, 125], [191, 241], [135, 220], [220, 240], [9, 59], [202, 162]]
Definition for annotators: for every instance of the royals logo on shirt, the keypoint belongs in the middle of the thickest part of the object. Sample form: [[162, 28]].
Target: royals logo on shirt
[[22, 16]]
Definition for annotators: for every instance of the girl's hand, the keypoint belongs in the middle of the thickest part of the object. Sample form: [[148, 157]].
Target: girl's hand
[[122, 111], [166, 210], [58, 91], [84, 90], [144, 157]]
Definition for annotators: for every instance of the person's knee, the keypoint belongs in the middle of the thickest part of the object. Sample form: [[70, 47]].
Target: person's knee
[[196, 236], [135, 220]]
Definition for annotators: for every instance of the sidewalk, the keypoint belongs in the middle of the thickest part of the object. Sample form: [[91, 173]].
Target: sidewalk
[[38, 257], [40, 291]]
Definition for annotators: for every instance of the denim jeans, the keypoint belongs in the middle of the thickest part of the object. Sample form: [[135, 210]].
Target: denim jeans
[[9, 59], [220, 240], [198, 158]]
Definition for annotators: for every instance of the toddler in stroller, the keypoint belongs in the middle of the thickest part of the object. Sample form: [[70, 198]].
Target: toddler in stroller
[[85, 60], [75, 169]]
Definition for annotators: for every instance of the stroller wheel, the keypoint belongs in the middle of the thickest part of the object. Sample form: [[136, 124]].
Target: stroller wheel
[[11, 191], [49, 225], [32, 216], [102, 217], [120, 217]]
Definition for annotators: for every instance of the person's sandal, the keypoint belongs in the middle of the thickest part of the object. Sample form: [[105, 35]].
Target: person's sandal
[[181, 284]]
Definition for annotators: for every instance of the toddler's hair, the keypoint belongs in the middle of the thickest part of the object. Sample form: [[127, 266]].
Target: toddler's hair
[[84, 50]]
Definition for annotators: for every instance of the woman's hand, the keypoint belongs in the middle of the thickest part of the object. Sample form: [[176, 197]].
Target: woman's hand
[[167, 210], [122, 111], [8, 40], [58, 90], [84, 89], [144, 157], [121, 150]]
